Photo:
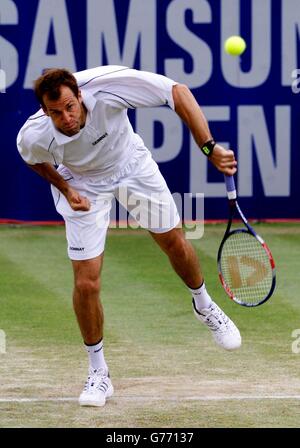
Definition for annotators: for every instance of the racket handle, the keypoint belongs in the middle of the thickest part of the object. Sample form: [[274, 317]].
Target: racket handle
[[230, 187]]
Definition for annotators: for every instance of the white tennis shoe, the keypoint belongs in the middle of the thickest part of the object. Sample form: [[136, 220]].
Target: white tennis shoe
[[97, 388], [224, 331]]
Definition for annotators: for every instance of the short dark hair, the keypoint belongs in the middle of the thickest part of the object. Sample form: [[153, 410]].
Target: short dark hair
[[50, 82]]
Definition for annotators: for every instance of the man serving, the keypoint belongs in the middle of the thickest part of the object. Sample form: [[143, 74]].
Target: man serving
[[83, 129]]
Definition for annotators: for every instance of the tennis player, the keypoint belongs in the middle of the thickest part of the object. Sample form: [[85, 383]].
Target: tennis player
[[82, 143]]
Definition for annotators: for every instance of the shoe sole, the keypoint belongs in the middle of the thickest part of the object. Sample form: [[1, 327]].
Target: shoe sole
[[98, 403], [229, 348]]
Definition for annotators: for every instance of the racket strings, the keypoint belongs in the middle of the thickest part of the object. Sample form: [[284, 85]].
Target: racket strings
[[246, 267]]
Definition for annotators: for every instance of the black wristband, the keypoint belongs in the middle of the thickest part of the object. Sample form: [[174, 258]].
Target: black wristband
[[208, 147]]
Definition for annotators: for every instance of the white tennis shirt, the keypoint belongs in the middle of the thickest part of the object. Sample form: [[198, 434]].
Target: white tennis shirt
[[107, 143]]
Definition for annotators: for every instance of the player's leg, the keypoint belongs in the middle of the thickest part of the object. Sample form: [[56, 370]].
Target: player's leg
[[90, 317], [152, 205], [182, 256], [185, 262], [87, 306], [86, 234]]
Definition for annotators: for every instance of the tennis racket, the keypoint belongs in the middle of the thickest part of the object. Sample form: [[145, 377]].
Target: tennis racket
[[245, 263]]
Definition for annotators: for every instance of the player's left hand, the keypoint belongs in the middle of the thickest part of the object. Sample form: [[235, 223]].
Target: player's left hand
[[224, 160]]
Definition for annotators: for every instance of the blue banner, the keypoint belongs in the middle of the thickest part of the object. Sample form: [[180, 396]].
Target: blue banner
[[251, 102]]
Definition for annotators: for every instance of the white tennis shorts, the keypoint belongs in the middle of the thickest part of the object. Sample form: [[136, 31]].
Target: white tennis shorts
[[140, 188]]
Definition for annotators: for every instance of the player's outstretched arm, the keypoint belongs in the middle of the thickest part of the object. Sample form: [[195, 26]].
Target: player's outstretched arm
[[48, 172], [190, 112]]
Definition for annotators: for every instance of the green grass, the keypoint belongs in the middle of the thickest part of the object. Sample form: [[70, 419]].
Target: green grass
[[163, 362]]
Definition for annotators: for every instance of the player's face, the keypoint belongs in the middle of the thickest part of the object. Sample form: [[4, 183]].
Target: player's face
[[67, 113]]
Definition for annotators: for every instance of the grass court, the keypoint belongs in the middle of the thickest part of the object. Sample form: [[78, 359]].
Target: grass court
[[165, 367]]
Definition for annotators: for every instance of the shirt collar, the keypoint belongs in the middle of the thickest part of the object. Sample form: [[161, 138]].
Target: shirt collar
[[62, 139]]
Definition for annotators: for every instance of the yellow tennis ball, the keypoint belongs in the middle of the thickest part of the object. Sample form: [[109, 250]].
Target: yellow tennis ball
[[235, 45]]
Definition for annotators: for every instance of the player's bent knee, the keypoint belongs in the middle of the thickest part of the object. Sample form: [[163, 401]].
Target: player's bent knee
[[181, 249], [87, 287], [177, 247]]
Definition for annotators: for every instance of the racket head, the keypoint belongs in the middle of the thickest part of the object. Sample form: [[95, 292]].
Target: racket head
[[246, 267]]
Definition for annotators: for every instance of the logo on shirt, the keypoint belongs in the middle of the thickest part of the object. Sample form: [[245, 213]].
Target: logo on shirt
[[79, 249], [99, 139]]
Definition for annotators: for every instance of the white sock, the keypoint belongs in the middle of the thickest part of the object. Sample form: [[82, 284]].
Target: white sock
[[96, 355], [201, 297]]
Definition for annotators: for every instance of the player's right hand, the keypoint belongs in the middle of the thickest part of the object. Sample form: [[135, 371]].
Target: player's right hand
[[77, 202], [224, 160]]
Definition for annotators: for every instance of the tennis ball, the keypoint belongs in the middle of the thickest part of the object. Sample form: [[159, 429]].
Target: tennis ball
[[235, 45]]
